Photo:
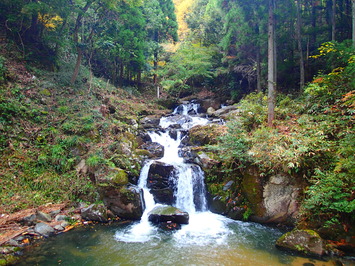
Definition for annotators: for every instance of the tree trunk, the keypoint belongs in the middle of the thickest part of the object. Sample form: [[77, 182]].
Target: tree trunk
[[314, 24], [333, 19], [77, 65], [258, 70], [155, 77], [271, 64], [76, 41], [299, 43], [353, 15]]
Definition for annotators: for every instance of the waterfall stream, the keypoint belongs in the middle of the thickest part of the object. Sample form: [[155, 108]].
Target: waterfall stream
[[190, 193]]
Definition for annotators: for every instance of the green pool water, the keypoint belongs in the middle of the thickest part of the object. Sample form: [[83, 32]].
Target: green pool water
[[220, 242]]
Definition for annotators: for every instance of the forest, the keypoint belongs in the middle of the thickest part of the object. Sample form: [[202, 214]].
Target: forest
[[77, 77]]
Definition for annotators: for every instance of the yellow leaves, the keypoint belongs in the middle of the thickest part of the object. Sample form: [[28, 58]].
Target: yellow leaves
[[50, 22], [351, 60], [324, 49]]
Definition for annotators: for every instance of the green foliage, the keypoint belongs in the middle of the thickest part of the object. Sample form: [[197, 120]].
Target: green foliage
[[190, 66], [3, 69], [233, 146], [253, 111], [331, 196]]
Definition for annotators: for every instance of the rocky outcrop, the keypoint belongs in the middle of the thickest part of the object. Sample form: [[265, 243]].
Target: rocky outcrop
[[124, 201], [280, 195], [164, 214], [306, 242], [161, 182], [273, 199]]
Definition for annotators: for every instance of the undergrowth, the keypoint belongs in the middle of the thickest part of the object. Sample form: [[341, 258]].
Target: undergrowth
[[48, 127]]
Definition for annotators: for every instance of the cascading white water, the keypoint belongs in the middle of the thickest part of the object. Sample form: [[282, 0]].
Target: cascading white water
[[190, 189]]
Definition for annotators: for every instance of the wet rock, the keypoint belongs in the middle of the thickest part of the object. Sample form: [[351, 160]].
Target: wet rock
[[43, 229], [205, 161], [218, 205], [43, 216], [236, 213], [126, 202], [160, 182], [169, 226], [95, 212], [176, 121], [305, 242], [162, 214], [155, 149], [150, 122], [188, 155]]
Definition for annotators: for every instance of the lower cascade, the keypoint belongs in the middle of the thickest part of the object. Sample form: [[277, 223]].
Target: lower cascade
[[181, 185]]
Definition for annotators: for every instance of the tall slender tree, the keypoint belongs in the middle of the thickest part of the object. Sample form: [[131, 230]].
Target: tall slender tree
[[271, 64]]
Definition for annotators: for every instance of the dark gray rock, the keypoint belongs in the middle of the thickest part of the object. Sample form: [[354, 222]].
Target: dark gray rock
[[155, 149], [43, 229], [95, 212], [124, 201], [218, 205], [150, 122], [163, 214], [161, 182], [29, 220]]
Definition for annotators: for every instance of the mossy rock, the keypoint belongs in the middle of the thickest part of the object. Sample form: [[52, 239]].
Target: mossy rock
[[204, 135], [8, 259], [252, 189], [306, 242], [120, 178], [45, 92]]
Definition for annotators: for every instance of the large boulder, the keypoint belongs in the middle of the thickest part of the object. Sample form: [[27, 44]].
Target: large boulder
[[124, 201], [280, 199], [163, 214], [95, 212], [161, 182], [273, 199], [307, 242]]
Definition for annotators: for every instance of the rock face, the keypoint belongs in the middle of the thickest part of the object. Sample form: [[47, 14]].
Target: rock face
[[273, 200], [124, 201], [161, 183], [280, 199], [306, 242], [163, 214]]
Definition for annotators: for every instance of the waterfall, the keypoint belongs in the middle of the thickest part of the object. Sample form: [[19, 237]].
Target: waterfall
[[188, 179]]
